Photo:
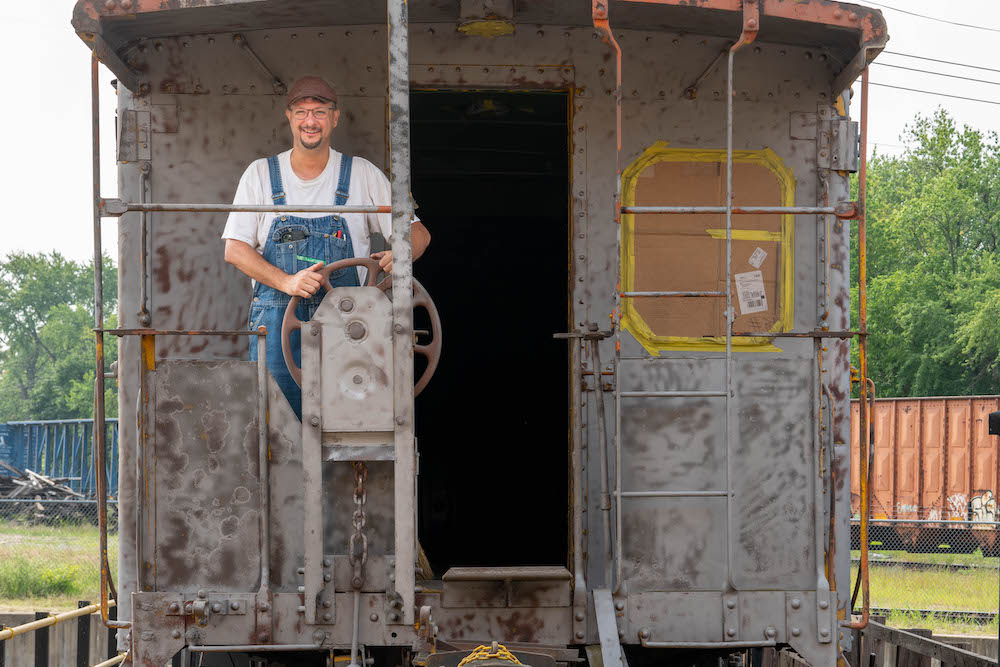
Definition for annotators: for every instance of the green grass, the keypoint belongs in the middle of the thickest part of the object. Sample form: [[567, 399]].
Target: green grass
[[50, 568]]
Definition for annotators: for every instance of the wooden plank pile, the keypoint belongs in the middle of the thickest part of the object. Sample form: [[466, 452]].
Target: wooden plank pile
[[27, 485]]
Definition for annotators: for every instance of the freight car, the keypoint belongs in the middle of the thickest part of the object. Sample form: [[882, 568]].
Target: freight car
[[934, 468], [635, 445]]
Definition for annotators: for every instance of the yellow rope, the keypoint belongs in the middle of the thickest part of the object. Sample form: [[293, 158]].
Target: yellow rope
[[496, 651]]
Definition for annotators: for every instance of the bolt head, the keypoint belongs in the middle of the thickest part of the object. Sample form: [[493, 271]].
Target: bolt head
[[110, 4], [234, 605], [327, 562], [189, 608], [823, 604], [770, 632], [730, 632], [217, 607], [314, 330], [400, 421], [202, 594], [824, 633], [796, 603], [126, 4], [398, 328], [644, 633], [314, 421], [176, 634], [327, 577], [263, 606], [731, 604], [347, 305], [174, 607], [358, 379], [327, 617], [579, 634], [620, 605], [319, 636], [580, 616], [327, 604], [393, 617], [356, 330], [373, 617], [796, 632]]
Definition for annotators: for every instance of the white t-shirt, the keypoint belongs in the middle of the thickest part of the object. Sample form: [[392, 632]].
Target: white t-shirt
[[369, 186]]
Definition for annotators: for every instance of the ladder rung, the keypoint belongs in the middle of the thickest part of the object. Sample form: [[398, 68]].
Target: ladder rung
[[672, 494], [689, 294], [671, 394]]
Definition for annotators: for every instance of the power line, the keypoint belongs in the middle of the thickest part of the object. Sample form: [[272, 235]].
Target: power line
[[943, 62], [931, 92], [926, 71], [933, 18]]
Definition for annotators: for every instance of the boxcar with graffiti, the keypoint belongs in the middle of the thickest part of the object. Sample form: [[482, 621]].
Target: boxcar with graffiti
[[635, 445], [934, 473]]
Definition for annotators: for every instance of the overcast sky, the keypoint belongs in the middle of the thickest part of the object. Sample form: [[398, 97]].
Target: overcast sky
[[47, 153]]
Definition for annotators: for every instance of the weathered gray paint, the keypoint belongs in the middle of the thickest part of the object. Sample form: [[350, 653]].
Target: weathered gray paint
[[212, 113]]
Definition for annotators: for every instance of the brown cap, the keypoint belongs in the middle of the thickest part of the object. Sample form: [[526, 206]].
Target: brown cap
[[311, 86]]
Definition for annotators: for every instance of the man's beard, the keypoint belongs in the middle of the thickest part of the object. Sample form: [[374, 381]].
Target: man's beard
[[313, 145]]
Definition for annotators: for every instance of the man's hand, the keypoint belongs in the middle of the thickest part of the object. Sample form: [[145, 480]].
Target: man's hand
[[384, 260], [305, 283]]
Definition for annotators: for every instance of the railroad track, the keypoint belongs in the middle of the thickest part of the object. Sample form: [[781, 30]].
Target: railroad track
[[922, 565], [979, 617]]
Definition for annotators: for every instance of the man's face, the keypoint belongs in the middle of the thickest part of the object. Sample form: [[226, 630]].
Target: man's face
[[311, 122]]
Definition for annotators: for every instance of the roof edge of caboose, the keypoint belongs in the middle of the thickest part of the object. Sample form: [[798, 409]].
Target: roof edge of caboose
[[855, 34]]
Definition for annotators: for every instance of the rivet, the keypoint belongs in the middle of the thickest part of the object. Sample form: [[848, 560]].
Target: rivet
[[314, 421], [579, 616], [189, 609], [731, 604], [373, 617], [314, 330], [620, 605], [398, 328], [263, 606], [174, 607], [294, 36], [796, 632], [110, 4], [730, 632], [770, 632], [126, 4], [400, 421], [356, 330], [579, 634], [176, 634], [319, 635], [393, 617], [327, 617], [824, 604], [302, 589], [644, 633], [234, 605], [217, 607], [796, 603], [327, 604], [202, 594], [327, 577], [824, 633], [358, 379]]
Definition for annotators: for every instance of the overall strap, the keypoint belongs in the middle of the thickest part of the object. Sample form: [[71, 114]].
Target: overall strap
[[277, 189], [344, 186]]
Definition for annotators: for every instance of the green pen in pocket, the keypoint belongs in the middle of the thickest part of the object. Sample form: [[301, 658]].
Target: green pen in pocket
[[309, 259]]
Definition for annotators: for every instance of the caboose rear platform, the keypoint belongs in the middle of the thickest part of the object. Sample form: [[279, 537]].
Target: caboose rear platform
[[636, 444]]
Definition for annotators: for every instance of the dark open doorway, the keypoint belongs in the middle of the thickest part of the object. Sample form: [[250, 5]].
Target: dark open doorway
[[490, 177]]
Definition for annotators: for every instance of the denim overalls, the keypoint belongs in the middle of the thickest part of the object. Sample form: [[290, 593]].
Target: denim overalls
[[326, 238]]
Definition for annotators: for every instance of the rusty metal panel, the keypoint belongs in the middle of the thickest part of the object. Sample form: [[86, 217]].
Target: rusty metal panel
[[884, 480], [907, 420], [932, 448], [206, 485], [984, 475], [958, 462]]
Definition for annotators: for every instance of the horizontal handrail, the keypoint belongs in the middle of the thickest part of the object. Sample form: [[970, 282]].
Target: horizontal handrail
[[629, 295], [262, 331], [737, 210], [9, 633], [114, 208], [117, 660]]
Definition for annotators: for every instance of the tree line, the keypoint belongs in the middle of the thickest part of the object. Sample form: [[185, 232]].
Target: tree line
[[933, 272], [47, 344]]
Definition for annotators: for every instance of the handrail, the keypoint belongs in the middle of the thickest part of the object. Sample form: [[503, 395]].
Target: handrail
[[48, 621], [117, 660], [863, 416]]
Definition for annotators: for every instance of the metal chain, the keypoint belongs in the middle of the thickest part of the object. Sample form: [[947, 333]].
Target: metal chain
[[358, 547]]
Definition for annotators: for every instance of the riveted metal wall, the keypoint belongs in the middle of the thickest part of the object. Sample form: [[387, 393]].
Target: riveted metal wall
[[212, 113]]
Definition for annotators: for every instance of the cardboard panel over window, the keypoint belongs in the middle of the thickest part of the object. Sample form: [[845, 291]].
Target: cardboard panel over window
[[688, 252]]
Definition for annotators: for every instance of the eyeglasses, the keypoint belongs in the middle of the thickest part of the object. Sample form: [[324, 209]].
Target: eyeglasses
[[321, 113]]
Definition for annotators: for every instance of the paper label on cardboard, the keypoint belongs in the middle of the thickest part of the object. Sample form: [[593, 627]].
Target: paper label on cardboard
[[757, 258], [750, 292]]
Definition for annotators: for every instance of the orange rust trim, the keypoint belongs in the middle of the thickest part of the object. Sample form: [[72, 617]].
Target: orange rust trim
[[867, 21]]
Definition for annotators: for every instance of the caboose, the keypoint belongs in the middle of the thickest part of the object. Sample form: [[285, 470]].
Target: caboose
[[635, 446]]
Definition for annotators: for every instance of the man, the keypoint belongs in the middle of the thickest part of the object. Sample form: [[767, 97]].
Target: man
[[270, 248]]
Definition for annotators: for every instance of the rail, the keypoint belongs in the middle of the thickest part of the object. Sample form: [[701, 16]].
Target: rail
[[43, 621]]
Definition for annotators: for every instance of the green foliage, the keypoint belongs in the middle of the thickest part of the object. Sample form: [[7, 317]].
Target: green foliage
[[47, 347], [933, 272], [23, 577]]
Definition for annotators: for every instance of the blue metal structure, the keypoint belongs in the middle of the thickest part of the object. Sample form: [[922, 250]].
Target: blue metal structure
[[60, 448]]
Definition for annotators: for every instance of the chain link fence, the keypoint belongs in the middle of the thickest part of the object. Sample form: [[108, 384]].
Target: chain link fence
[[939, 575], [49, 555]]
